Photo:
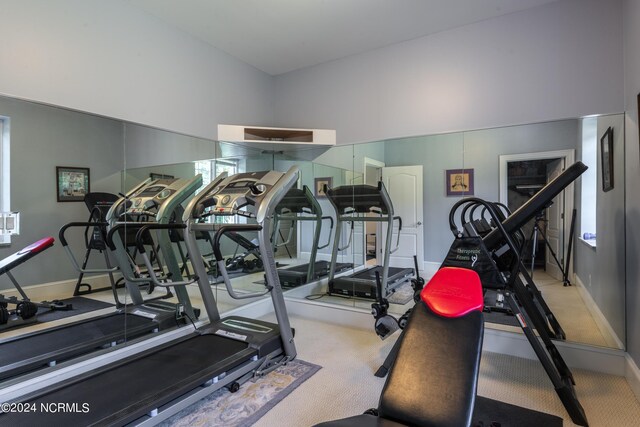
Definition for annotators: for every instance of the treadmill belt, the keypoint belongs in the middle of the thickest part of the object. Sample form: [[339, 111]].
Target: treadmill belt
[[370, 273], [128, 391], [32, 351]]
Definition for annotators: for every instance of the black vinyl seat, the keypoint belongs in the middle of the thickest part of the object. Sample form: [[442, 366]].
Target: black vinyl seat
[[433, 380]]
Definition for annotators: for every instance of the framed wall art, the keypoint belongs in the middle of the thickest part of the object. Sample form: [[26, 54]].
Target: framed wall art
[[72, 183], [459, 182], [606, 157]]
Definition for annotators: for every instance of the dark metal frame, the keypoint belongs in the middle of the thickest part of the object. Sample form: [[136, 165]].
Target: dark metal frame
[[606, 158], [87, 180]]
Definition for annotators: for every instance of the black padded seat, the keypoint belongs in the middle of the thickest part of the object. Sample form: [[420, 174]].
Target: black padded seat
[[433, 380], [364, 420]]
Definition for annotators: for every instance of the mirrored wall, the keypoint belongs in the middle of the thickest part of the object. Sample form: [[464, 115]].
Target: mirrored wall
[[355, 209]]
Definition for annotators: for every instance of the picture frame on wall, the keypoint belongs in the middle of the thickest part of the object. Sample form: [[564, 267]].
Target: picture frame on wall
[[606, 157], [319, 186], [72, 183], [459, 182]]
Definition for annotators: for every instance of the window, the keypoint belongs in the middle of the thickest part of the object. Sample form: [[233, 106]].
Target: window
[[589, 180], [5, 196]]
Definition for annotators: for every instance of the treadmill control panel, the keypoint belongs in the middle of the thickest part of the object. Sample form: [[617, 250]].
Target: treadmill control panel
[[239, 194], [151, 196]]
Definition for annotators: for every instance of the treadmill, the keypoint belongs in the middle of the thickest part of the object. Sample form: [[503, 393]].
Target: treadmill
[[148, 387], [32, 351], [363, 203], [300, 205]]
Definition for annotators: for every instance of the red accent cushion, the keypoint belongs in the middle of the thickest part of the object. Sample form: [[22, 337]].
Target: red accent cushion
[[453, 292], [38, 246]]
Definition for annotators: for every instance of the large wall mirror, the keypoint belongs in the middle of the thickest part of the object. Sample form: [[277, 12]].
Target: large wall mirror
[[422, 177]]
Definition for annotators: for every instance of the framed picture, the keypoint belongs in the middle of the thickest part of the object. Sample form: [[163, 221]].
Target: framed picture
[[160, 176], [606, 156], [459, 182], [319, 185], [72, 183]]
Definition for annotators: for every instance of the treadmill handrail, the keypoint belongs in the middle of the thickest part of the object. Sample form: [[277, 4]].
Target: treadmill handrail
[[222, 268], [72, 257], [121, 225], [150, 270], [350, 238], [330, 218], [398, 238], [286, 241]]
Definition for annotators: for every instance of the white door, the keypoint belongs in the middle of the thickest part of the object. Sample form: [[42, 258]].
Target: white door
[[404, 185], [555, 224]]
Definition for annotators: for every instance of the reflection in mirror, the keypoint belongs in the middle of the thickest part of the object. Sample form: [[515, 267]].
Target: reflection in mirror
[[587, 305], [37, 139], [591, 310]]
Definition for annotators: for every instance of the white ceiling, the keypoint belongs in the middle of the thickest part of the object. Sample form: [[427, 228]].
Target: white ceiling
[[278, 36]]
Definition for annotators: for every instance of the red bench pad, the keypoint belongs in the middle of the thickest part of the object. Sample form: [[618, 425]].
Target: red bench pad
[[453, 292], [38, 246]]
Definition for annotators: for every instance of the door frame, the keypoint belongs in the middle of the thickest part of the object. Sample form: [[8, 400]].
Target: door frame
[[569, 158], [368, 161]]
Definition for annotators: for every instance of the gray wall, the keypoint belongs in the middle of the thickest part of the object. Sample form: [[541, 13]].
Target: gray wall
[[145, 146], [42, 138], [601, 269], [478, 150], [560, 60], [109, 58], [632, 172]]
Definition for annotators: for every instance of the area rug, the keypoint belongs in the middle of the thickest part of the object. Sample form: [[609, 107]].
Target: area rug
[[247, 405], [402, 295]]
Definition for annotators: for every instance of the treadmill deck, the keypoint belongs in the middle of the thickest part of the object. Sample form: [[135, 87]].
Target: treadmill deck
[[132, 388]]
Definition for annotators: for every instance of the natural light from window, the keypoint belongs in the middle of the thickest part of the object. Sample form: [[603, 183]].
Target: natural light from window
[[5, 196], [589, 180]]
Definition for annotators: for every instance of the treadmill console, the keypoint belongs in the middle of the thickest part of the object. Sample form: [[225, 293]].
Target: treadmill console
[[152, 196], [239, 194]]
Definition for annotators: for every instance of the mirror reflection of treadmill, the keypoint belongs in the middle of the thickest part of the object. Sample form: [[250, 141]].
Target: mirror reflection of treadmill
[[299, 205], [48, 347], [365, 203], [223, 352]]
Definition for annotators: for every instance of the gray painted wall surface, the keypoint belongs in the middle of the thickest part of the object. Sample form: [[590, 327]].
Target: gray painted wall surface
[[145, 147], [552, 62], [601, 269], [478, 150], [109, 58], [42, 138], [632, 171]]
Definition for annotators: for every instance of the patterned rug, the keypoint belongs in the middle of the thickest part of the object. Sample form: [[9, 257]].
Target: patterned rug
[[246, 406], [402, 295]]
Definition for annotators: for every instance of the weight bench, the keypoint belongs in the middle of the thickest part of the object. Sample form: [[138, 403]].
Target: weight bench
[[433, 379], [25, 310]]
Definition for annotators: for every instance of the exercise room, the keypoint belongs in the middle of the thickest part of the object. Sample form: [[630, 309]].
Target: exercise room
[[321, 213]]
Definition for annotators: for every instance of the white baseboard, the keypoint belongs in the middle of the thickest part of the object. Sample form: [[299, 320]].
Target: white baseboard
[[602, 323], [632, 374], [608, 361], [60, 289], [430, 268]]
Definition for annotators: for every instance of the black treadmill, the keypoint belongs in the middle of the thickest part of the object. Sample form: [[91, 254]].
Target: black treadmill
[[365, 203], [301, 205], [48, 347], [152, 385]]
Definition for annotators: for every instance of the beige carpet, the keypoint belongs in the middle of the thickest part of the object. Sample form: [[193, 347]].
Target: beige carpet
[[346, 385]]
